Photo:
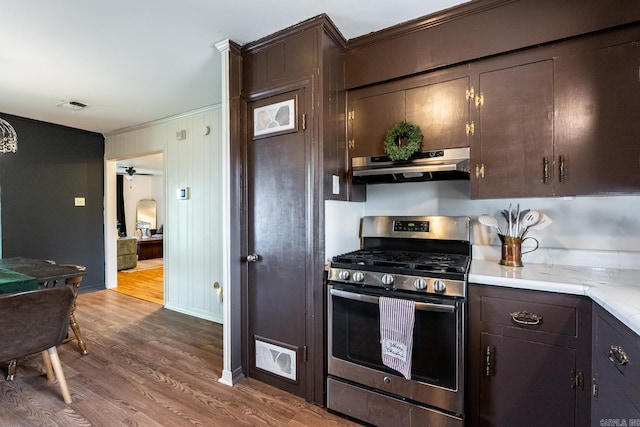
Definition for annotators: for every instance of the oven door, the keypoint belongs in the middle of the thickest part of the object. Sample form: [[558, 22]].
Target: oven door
[[354, 349]]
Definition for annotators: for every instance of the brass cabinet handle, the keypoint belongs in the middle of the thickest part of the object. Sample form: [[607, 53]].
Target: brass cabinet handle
[[470, 128], [525, 318], [577, 380], [545, 170], [562, 175], [470, 94], [487, 364], [479, 170], [617, 356]]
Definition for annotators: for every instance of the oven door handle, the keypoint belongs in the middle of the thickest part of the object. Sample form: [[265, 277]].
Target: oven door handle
[[422, 306]]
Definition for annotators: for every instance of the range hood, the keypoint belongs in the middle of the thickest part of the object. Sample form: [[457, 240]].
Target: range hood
[[437, 165]]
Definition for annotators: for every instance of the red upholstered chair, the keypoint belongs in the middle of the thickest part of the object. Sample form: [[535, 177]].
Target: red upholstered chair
[[36, 321]]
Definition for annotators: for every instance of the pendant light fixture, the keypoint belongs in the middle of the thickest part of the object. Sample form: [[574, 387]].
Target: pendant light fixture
[[8, 137]]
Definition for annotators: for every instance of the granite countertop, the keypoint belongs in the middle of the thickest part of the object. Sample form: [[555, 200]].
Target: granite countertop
[[616, 290]]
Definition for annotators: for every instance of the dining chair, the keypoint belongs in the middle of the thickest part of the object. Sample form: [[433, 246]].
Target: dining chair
[[74, 283], [37, 321]]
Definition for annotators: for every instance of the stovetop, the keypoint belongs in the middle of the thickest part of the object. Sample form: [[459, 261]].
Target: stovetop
[[407, 262], [426, 255]]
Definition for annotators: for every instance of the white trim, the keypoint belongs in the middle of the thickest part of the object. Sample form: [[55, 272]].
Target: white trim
[[110, 230], [163, 120], [195, 313], [228, 376]]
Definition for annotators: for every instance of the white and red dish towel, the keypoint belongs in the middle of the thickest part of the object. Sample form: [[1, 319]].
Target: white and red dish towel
[[397, 317]]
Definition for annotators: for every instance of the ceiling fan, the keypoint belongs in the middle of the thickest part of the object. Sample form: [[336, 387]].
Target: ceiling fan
[[128, 171]]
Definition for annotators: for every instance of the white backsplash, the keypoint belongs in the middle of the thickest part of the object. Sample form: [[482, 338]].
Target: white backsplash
[[596, 231]]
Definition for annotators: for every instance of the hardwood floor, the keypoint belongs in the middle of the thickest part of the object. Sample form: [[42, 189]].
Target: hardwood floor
[[146, 283], [147, 366]]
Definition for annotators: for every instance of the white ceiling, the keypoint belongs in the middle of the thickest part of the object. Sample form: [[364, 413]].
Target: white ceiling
[[138, 61]]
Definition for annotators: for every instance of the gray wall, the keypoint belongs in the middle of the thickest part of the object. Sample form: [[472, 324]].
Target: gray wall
[[38, 184]]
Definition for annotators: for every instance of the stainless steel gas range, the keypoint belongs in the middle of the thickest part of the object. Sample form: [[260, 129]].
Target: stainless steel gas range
[[409, 279]]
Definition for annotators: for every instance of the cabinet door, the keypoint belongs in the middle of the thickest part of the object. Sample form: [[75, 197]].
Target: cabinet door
[[514, 131], [597, 114], [372, 118], [526, 371], [442, 112], [616, 393], [526, 383]]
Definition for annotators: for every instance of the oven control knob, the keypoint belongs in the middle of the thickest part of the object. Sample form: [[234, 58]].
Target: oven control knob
[[343, 275], [439, 286], [358, 276], [387, 279], [420, 283]]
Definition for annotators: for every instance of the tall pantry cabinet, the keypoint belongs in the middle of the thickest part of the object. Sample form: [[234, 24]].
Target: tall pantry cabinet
[[292, 114]]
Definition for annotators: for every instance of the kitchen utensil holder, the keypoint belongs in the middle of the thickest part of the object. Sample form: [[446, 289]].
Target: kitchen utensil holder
[[512, 250]]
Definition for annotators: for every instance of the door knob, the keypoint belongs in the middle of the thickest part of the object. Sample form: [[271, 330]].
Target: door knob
[[253, 258]]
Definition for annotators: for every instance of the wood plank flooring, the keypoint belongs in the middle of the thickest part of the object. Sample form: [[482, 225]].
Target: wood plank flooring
[[147, 366], [147, 284]]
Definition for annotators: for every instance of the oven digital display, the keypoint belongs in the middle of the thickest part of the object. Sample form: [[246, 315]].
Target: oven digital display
[[422, 226]]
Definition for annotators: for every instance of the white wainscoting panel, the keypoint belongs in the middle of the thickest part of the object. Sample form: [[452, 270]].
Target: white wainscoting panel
[[192, 227]]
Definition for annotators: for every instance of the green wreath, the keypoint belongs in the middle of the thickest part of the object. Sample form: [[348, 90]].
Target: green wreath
[[402, 141]]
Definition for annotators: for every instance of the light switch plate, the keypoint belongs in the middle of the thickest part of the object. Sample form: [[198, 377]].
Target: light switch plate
[[336, 184]]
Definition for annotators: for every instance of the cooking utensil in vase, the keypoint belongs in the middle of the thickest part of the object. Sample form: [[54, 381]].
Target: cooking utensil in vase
[[489, 221], [532, 218], [543, 222]]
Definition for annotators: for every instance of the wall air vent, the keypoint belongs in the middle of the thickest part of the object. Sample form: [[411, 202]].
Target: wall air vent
[[73, 105]]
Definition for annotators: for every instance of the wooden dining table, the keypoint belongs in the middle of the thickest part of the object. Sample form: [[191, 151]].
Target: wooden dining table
[[24, 274], [44, 271]]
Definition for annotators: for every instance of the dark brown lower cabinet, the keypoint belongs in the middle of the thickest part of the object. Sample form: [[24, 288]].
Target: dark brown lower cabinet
[[529, 358], [616, 372]]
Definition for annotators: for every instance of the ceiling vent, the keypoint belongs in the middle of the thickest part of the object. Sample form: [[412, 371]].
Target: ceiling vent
[[73, 105]]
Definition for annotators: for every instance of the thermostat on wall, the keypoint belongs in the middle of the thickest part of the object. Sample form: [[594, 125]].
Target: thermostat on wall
[[182, 193]]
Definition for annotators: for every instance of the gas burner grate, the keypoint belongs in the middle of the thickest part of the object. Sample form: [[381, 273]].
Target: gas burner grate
[[405, 260]]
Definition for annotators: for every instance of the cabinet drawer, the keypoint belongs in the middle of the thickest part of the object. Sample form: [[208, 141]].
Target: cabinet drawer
[[529, 315]]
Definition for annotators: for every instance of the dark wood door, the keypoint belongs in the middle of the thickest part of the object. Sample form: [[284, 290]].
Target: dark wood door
[[276, 309], [373, 116], [442, 112], [514, 131], [528, 383], [598, 126]]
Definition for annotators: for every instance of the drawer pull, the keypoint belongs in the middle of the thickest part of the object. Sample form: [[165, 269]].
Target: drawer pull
[[525, 318], [487, 362], [617, 356]]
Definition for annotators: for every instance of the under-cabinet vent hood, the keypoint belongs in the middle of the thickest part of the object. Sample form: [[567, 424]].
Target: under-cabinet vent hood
[[437, 165]]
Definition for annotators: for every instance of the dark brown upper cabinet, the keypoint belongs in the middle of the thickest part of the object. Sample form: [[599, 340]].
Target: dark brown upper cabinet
[[437, 102], [370, 117], [512, 153], [597, 141], [441, 109], [559, 120], [475, 30]]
